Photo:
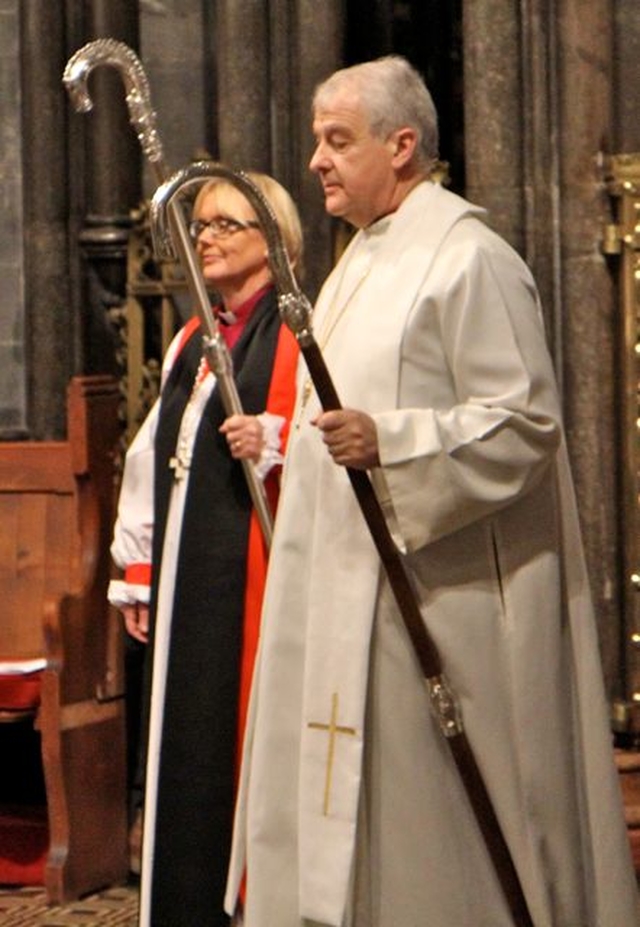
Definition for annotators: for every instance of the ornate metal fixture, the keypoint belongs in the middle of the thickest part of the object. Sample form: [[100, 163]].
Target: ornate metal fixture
[[146, 323], [621, 174]]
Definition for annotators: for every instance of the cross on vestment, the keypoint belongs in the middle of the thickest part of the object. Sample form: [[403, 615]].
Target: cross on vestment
[[180, 467], [333, 729]]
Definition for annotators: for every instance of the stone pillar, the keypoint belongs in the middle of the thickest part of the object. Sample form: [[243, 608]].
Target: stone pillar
[[244, 85], [317, 54], [113, 152], [541, 162], [284, 103], [268, 59], [626, 141], [174, 42], [537, 112], [493, 115], [584, 43], [511, 122], [626, 99], [51, 344], [13, 400], [112, 172]]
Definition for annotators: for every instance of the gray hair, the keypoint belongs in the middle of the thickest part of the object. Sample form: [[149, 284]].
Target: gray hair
[[393, 94]]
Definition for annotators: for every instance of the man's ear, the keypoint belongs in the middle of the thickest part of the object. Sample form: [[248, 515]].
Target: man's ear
[[404, 141]]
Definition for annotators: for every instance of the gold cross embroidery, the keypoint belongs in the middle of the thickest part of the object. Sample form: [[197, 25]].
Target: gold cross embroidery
[[333, 729]]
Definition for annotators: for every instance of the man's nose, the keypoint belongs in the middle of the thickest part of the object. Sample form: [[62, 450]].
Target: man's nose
[[317, 158]]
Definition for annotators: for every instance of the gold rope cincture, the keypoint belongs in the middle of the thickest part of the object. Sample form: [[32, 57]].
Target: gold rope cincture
[[333, 729]]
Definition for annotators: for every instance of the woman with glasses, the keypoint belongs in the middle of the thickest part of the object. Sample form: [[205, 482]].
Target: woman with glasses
[[193, 557]]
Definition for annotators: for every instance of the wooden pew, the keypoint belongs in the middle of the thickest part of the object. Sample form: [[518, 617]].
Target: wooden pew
[[628, 762], [56, 512]]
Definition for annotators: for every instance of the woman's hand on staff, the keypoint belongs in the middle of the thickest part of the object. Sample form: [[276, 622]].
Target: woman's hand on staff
[[245, 436]]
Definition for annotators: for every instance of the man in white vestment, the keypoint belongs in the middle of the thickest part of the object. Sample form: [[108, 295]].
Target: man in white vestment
[[351, 811]]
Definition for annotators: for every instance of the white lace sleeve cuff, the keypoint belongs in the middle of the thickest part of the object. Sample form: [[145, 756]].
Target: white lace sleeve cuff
[[121, 593], [271, 455]]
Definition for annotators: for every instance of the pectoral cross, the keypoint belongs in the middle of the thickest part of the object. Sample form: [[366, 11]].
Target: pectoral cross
[[180, 467], [333, 729]]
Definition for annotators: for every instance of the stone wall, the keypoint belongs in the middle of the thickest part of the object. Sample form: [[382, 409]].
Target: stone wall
[[549, 89], [12, 363]]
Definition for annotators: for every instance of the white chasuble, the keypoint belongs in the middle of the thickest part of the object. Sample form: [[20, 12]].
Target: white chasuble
[[351, 812]]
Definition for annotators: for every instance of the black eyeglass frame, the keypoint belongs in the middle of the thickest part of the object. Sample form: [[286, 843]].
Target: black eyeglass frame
[[221, 227]]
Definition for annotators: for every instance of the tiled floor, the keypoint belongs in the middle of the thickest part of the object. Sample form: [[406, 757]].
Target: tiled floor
[[27, 907]]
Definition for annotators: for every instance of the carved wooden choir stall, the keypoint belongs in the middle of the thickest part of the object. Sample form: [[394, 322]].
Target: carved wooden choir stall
[[60, 680]]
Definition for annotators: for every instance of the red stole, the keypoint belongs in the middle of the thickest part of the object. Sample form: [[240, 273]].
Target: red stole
[[280, 401]]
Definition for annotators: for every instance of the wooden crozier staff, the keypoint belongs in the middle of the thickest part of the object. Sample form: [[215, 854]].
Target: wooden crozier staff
[[143, 118], [295, 310]]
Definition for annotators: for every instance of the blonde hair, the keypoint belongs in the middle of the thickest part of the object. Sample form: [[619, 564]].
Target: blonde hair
[[230, 198]]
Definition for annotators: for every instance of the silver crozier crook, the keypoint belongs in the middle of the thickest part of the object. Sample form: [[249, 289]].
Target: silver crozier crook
[[296, 312], [143, 120], [294, 306]]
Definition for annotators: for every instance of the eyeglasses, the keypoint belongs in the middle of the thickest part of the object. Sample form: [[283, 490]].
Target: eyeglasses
[[221, 227]]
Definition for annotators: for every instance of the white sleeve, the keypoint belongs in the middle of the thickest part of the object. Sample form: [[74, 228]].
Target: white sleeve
[[133, 532], [271, 455], [498, 428], [121, 593]]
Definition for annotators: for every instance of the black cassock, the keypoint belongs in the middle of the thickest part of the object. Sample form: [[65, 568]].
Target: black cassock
[[197, 766]]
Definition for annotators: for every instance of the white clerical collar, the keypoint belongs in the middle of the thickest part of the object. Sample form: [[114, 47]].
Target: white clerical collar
[[379, 227]]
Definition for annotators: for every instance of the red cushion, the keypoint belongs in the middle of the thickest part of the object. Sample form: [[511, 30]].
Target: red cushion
[[24, 841], [20, 692]]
